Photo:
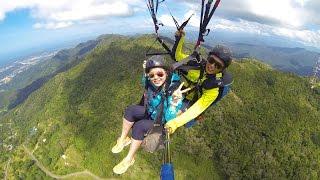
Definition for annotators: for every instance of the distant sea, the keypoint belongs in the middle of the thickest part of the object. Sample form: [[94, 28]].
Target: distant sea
[[12, 57], [8, 58], [4, 61]]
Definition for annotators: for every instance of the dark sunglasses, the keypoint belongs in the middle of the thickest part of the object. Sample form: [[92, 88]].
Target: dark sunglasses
[[217, 64], [159, 74]]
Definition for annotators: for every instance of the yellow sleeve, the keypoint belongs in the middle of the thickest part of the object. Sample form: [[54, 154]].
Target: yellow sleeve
[[207, 98], [179, 55]]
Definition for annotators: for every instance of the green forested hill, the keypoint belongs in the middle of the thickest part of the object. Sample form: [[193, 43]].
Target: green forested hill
[[267, 127]]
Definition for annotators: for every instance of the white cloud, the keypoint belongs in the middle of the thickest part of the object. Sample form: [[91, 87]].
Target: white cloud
[[86, 10], [288, 18], [52, 25], [282, 11], [286, 13], [167, 20], [294, 19], [228, 25], [306, 37], [195, 19], [2, 16], [241, 26], [63, 13]]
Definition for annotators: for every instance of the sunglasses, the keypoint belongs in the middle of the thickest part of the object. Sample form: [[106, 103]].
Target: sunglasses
[[212, 60], [160, 74]]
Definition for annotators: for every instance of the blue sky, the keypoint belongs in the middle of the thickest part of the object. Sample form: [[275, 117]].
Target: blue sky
[[35, 24]]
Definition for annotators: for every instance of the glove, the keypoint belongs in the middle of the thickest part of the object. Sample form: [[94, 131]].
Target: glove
[[180, 33], [171, 126], [144, 65]]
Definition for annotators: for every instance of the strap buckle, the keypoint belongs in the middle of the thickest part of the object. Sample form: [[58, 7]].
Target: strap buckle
[[156, 125]]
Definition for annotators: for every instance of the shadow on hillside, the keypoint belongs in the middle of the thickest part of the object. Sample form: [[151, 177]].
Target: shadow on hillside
[[24, 93], [67, 60]]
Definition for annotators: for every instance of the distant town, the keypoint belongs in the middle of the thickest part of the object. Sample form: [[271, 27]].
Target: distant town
[[7, 73]]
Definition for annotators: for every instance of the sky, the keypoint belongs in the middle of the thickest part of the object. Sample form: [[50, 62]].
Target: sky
[[26, 25]]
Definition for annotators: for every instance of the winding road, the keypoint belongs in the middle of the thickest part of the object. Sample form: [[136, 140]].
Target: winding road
[[6, 171], [49, 173]]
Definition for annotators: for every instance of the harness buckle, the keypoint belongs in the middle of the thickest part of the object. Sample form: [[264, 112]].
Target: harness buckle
[[195, 60], [198, 60]]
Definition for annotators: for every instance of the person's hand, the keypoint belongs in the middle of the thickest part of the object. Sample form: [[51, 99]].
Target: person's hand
[[144, 65], [177, 94], [180, 33], [171, 126]]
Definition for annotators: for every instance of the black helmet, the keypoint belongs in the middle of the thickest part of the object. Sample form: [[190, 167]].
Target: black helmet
[[222, 52], [155, 61]]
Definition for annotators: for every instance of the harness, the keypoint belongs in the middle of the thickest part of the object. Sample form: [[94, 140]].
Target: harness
[[223, 84]]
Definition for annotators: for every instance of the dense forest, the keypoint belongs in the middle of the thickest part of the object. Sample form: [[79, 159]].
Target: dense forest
[[266, 128]]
